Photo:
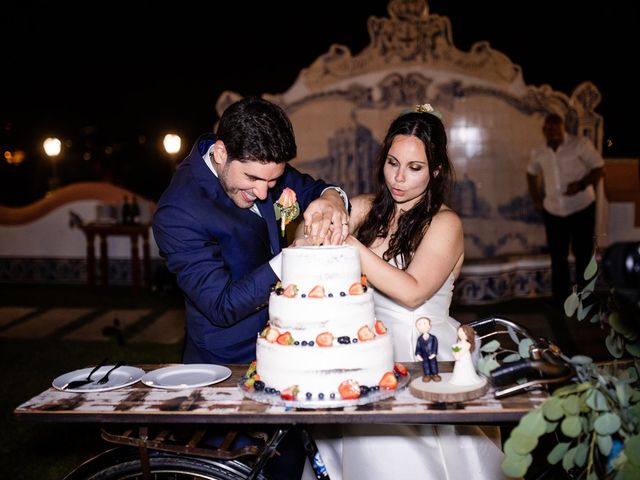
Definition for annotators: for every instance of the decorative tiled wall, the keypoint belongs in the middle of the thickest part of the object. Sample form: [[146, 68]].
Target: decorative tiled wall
[[342, 104]]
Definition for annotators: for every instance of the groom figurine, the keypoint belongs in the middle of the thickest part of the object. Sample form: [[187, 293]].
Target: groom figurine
[[216, 227], [426, 350]]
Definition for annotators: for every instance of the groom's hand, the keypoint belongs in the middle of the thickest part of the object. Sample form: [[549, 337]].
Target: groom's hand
[[326, 220]]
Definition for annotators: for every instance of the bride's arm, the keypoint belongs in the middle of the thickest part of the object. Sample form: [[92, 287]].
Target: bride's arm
[[437, 255]]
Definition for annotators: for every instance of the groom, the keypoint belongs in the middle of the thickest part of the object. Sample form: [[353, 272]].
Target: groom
[[216, 227]]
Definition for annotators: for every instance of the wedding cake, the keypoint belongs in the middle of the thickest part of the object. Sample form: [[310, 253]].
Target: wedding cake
[[322, 340]]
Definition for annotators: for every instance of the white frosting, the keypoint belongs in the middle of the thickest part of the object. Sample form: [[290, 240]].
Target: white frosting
[[320, 369], [305, 318], [335, 268]]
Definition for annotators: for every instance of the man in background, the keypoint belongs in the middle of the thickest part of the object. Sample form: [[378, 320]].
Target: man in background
[[562, 175]]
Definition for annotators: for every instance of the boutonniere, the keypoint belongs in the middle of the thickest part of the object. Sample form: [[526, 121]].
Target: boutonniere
[[286, 208]]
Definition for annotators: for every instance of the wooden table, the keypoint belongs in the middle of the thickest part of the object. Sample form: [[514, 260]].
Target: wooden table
[[224, 403], [103, 231]]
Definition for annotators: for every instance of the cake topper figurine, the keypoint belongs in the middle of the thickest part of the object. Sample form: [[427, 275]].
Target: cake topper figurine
[[464, 373], [286, 208], [426, 350]]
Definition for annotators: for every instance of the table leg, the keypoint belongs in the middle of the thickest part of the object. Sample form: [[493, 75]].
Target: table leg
[[146, 259], [104, 260], [135, 262], [91, 260]]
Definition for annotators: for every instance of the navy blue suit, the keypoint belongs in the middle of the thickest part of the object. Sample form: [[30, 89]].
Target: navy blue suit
[[219, 254], [426, 348]]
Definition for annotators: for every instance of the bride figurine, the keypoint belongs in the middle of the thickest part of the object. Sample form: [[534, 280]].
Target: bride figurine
[[464, 373]]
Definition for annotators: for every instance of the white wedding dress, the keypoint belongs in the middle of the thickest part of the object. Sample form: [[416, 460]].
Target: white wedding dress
[[464, 372], [399, 452]]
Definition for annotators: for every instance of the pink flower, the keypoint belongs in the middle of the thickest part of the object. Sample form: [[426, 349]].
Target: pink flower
[[286, 208], [287, 198]]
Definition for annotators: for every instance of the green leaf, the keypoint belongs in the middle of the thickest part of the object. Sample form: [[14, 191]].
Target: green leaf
[[487, 364], [557, 453], [522, 442], [581, 454], [624, 326], [634, 348], [523, 347], [605, 444], [571, 405], [583, 312], [572, 388], [571, 426], [632, 449], [551, 426], [533, 423], [513, 335], [591, 269], [552, 408], [623, 393], [571, 304], [516, 466], [581, 360], [592, 476], [568, 459], [596, 400], [490, 347], [630, 374], [513, 357], [589, 288], [613, 344], [607, 423]]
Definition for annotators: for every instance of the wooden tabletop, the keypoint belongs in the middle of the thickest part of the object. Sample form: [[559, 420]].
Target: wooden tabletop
[[225, 403]]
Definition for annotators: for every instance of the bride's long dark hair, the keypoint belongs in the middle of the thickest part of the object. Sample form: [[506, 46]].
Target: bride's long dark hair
[[412, 224]]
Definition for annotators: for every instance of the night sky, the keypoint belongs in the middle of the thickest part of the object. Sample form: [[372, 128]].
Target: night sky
[[116, 76]]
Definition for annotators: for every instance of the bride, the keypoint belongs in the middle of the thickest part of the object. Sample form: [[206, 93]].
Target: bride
[[412, 249]]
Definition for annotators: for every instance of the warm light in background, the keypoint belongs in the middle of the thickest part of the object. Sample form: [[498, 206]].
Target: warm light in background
[[14, 158], [172, 143], [52, 146]]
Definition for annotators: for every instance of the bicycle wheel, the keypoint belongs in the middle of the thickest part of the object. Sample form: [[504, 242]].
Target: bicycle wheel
[[114, 465]]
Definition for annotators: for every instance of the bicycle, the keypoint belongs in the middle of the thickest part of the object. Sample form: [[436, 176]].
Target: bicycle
[[163, 454]]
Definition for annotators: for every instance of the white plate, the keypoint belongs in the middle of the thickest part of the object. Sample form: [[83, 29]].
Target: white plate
[[194, 375], [120, 377]]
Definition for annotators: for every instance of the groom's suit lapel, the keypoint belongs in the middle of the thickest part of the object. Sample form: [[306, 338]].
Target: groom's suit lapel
[[266, 209]]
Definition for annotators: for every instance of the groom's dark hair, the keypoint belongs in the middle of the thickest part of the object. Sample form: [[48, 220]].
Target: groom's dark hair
[[254, 129]]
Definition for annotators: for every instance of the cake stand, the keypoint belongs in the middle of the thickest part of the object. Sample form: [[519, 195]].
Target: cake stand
[[273, 399], [445, 392]]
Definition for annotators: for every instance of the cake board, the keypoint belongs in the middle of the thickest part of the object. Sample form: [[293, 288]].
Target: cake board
[[445, 392], [371, 397]]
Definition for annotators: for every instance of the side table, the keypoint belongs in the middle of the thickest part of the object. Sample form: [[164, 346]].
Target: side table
[[103, 231]]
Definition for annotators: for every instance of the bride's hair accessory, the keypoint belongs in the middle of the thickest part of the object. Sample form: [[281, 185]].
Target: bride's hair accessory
[[427, 108], [424, 108]]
